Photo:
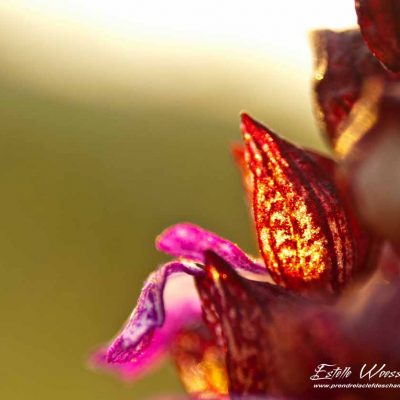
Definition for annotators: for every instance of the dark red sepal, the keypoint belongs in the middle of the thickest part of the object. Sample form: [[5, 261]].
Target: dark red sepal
[[379, 22], [240, 326], [273, 339], [343, 63]]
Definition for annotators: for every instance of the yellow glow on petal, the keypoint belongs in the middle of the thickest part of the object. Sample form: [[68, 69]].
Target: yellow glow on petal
[[362, 118], [201, 366], [215, 274]]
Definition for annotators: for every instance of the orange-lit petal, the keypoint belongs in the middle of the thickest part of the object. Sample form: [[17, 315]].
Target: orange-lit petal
[[307, 238]]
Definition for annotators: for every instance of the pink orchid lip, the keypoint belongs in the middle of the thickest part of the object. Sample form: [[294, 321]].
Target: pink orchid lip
[[169, 301], [162, 310], [177, 305], [148, 315]]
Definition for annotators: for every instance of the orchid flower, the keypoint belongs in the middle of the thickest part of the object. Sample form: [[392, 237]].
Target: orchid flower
[[238, 326]]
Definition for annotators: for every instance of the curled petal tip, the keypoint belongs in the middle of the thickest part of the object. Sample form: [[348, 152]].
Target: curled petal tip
[[167, 304], [168, 239], [192, 242]]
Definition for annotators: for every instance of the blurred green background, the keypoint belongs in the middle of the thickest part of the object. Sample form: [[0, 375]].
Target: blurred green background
[[101, 148]]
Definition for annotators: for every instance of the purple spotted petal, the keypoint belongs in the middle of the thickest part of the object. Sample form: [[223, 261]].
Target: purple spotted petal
[[168, 302], [191, 241]]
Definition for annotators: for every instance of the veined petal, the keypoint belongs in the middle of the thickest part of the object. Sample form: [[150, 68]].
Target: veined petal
[[192, 242], [379, 22], [305, 234], [167, 304]]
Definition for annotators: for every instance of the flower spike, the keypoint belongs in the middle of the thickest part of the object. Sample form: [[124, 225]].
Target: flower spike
[[306, 235]]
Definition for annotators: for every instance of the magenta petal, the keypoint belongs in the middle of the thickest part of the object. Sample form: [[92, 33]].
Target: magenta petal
[[132, 370], [149, 313], [168, 302], [178, 312], [191, 241]]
